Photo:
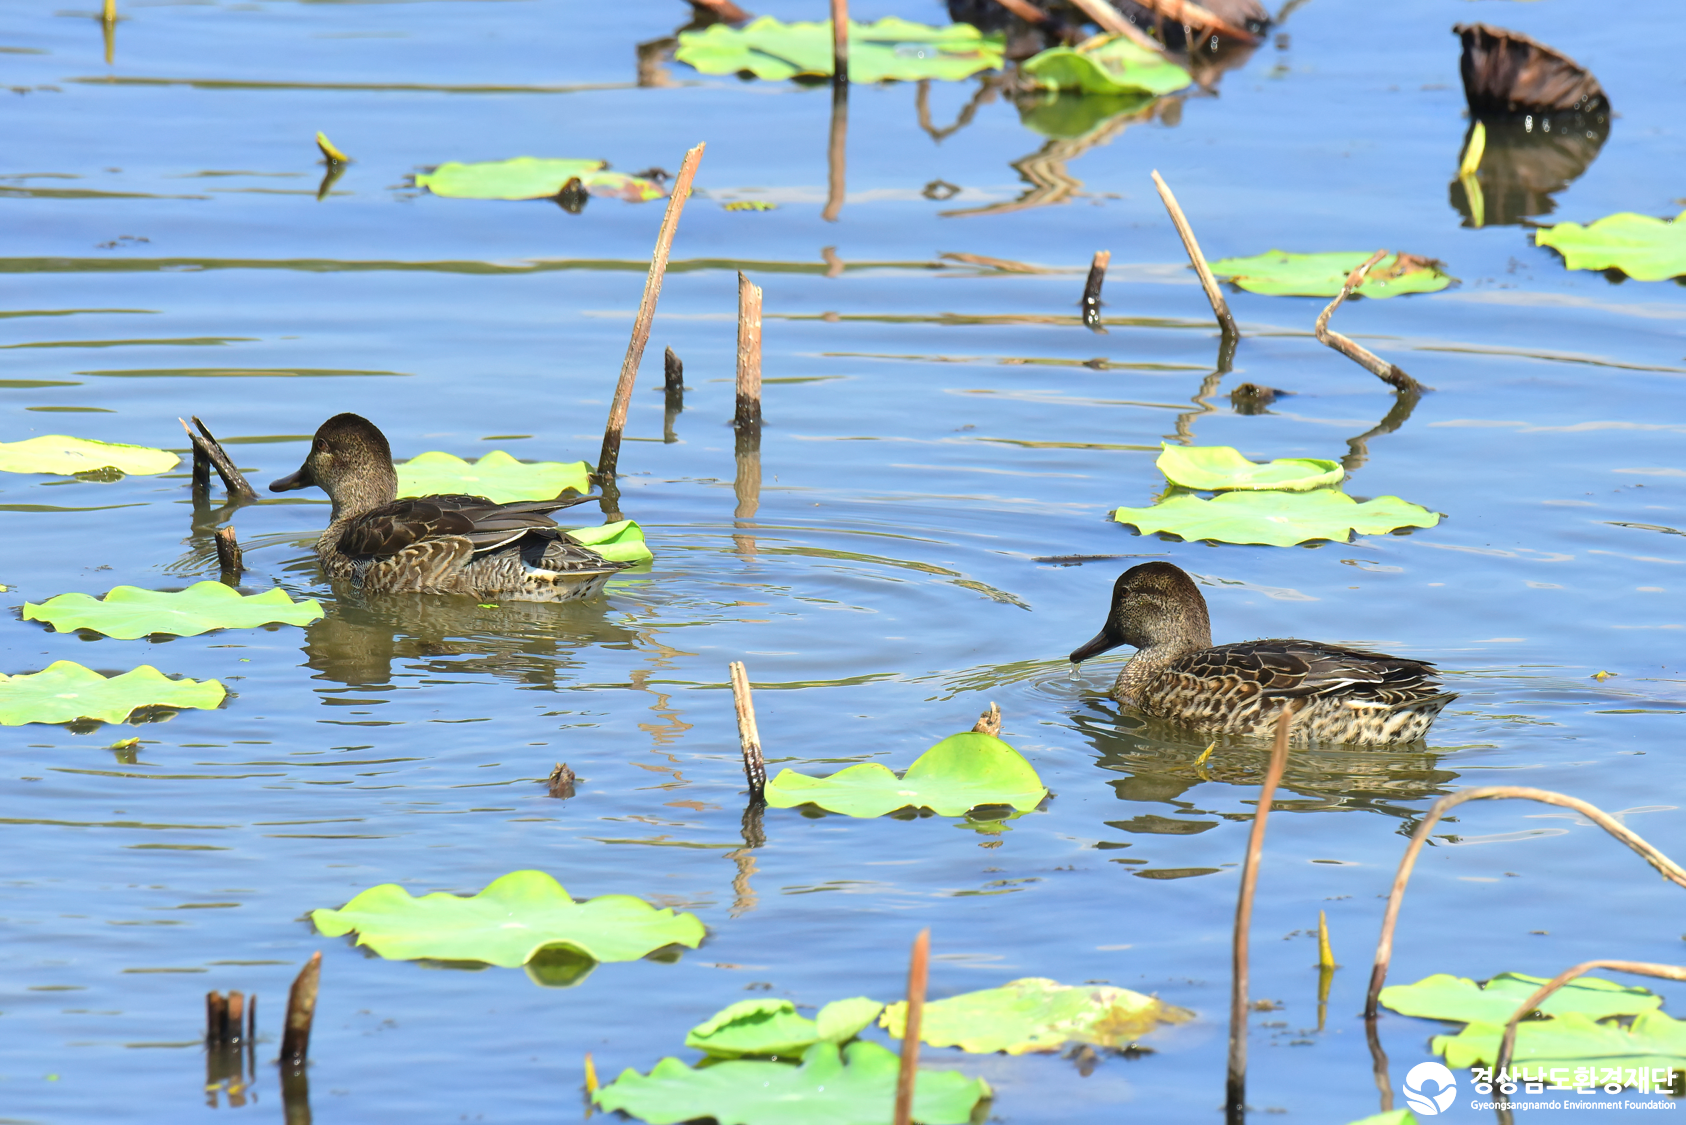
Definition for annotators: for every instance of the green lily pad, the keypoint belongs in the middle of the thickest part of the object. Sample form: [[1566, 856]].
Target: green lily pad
[[1106, 66], [1217, 468], [1644, 248], [1446, 997], [1573, 1039], [497, 476], [1276, 519], [66, 691], [128, 612], [892, 48], [852, 1086], [621, 541], [531, 177], [1277, 273], [771, 1027], [507, 923], [67, 456], [953, 777], [1035, 1014]]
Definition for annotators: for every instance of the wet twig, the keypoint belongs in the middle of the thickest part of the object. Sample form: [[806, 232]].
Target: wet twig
[[918, 974], [208, 454], [1370, 361], [1092, 290], [1643, 968], [749, 737], [1235, 1101], [1194, 15], [1220, 307], [1110, 19], [1384, 945], [229, 557]]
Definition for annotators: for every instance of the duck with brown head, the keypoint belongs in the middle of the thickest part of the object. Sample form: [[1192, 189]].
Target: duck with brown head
[[1342, 695], [435, 544]]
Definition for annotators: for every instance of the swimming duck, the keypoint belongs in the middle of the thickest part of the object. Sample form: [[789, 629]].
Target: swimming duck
[[436, 544], [1341, 694]]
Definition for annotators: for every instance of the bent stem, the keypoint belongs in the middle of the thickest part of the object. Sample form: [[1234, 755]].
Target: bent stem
[[1370, 361], [1220, 307], [1384, 945], [1235, 1102], [1643, 968]]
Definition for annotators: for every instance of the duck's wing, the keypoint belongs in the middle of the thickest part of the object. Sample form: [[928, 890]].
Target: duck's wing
[[1295, 669], [486, 526]]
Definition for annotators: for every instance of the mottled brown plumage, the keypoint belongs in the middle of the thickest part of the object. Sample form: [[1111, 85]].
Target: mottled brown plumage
[[436, 544], [1341, 694]]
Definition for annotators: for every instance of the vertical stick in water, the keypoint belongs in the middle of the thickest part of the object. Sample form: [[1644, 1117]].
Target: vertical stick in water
[[836, 170], [301, 1012], [918, 972], [749, 736], [1235, 1101], [748, 415], [1092, 290], [609, 456], [673, 402], [840, 42], [229, 557], [216, 1017], [1220, 307]]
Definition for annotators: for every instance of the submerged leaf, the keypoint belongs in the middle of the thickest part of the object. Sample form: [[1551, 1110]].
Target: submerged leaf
[[772, 1027], [953, 777], [1573, 1039], [1216, 468], [854, 1086], [1644, 248], [1446, 997], [1276, 519], [497, 476], [67, 456], [892, 48], [531, 177], [128, 612], [1036, 1014], [66, 691], [1105, 66], [621, 541], [1278, 273], [507, 923]]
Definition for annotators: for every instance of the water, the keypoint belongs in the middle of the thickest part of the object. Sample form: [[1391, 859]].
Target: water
[[933, 428]]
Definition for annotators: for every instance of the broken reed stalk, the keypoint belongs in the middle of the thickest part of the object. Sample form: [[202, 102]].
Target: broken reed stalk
[[1643, 968], [229, 556], [1220, 307], [1384, 944], [748, 416], [301, 1012], [609, 456], [1370, 361], [206, 446], [1110, 19], [749, 737], [840, 42], [918, 974], [1235, 1100], [227, 1018], [1194, 15], [1092, 289]]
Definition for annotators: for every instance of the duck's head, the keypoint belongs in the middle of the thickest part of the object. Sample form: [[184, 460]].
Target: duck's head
[[1154, 606], [351, 461]]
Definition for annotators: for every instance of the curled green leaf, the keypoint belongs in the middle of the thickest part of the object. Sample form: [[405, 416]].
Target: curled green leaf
[[769, 1026], [66, 691], [953, 777], [1217, 468], [128, 612], [1105, 66]]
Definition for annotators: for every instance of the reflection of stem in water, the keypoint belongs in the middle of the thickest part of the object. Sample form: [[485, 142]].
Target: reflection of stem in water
[[987, 89], [744, 898], [108, 28], [834, 265], [295, 1095], [836, 154], [1403, 403], [330, 175], [651, 56], [1378, 1063], [1208, 388], [673, 390], [1045, 169]]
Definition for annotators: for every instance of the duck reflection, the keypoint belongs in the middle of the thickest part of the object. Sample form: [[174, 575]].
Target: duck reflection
[[532, 643]]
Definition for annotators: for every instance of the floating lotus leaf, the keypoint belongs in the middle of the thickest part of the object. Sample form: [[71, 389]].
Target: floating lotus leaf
[[1278, 273], [854, 1086], [1035, 1014], [497, 476], [621, 541], [1106, 66], [1446, 997], [1215, 468], [66, 691], [956, 775], [1276, 519], [128, 612], [67, 456], [1644, 248], [507, 923], [1573, 1039], [531, 177], [771, 1027], [889, 49]]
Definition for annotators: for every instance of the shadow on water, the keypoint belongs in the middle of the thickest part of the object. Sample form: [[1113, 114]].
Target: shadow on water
[[1526, 161]]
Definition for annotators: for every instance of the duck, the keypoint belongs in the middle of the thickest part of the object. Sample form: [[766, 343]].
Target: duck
[[455, 544], [1339, 695]]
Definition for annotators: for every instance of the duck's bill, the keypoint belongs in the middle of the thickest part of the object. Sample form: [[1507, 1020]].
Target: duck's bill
[[294, 481], [1105, 641]]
